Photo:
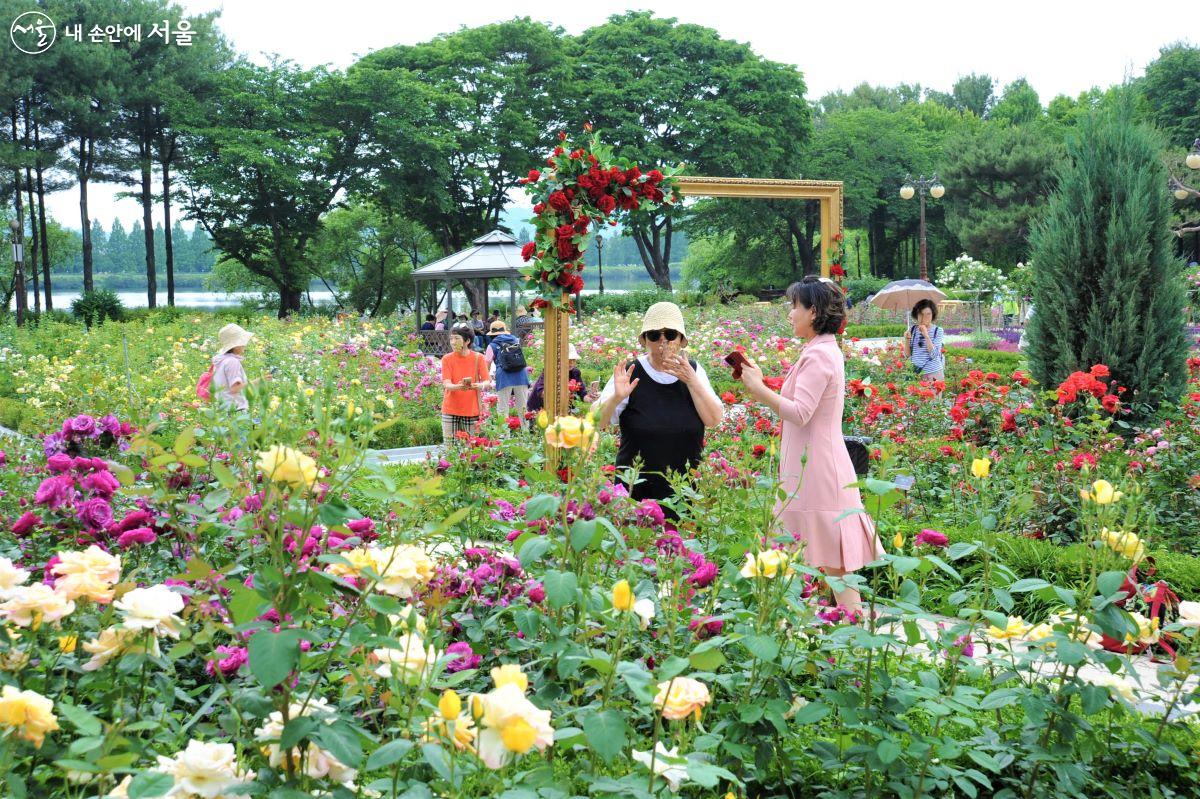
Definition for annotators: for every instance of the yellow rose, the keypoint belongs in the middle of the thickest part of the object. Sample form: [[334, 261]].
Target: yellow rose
[[438, 729], [767, 564], [898, 541], [622, 596], [981, 467], [570, 432], [1127, 544], [681, 697], [1147, 630], [31, 605], [510, 674], [511, 725], [285, 465], [1015, 628], [29, 714], [1039, 632], [66, 643], [450, 706], [518, 736], [1102, 493]]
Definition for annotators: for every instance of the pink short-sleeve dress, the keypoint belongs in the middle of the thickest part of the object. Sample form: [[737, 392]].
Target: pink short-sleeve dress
[[814, 510]]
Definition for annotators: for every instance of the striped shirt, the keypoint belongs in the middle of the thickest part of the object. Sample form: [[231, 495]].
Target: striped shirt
[[920, 358]]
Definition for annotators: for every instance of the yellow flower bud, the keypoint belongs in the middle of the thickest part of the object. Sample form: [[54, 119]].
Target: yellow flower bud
[[622, 596], [981, 467], [1102, 493], [543, 419], [898, 541], [450, 706], [66, 643]]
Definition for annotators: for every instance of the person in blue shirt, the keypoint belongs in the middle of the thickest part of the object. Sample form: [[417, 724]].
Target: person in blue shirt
[[512, 373], [924, 343]]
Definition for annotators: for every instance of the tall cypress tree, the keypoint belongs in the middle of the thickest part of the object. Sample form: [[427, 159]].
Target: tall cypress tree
[[1107, 286]]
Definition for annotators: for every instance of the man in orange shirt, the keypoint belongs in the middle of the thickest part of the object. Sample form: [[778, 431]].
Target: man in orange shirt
[[464, 377]]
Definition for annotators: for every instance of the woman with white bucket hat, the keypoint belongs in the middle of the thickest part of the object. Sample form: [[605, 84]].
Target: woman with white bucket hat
[[662, 402]]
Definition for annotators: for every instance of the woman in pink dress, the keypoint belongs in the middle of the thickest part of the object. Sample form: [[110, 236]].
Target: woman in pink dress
[[814, 466]]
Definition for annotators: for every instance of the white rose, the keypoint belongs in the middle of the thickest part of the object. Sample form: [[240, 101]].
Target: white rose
[[206, 770], [152, 608], [40, 602], [11, 576], [644, 608], [1189, 614], [408, 662], [667, 764]]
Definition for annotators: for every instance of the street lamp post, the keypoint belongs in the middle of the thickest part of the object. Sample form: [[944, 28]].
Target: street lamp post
[[1183, 192], [18, 252], [922, 186], [600, 259]]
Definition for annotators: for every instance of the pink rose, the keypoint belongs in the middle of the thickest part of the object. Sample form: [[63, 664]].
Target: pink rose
[[95, 514], [932, 537], [138, 535], [54, 492], [100, 484], [24, 525]]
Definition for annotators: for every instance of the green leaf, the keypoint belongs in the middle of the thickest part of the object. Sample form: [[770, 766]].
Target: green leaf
[[184, 441], [811, 713], [533, 549], [606, 733], [985, 760], [388, 754], [1001, 697], [223, 475], [334, 512], [272, 656], [1028, 584], [709, 659], [904, 564], [763, 647], [149, 784], [672, 667], [436, 757], [541, 506], [887, 751], [583, 534], [1110, 583], [1004, 599], [296, 730], [562, 588], [381, 603], [84, 721], [342, 741], [245, 604]]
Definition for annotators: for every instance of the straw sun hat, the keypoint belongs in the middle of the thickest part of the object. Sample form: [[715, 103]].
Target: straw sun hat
[[232, 336], [663, 316], [498, 327]]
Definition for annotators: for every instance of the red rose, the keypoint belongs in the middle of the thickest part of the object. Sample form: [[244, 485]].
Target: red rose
[[606, 204], [513, 422], [632, 174], [537, 209], [559, 201], [1110, 403], [1099, 370], [576, 284], [562, 135], [528, 250], [581, 225], [564, 279], [759, 450], [655, 176]]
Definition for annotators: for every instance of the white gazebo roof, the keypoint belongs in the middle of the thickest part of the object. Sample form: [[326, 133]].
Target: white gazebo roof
[[493, 255]]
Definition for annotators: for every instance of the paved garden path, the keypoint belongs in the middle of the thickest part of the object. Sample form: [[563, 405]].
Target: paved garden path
[[402, 454]]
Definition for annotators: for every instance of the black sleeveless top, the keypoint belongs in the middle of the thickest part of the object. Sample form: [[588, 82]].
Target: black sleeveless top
[[662, 426]]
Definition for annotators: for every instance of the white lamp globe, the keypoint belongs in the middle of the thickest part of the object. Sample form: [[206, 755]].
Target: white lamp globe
[[1181, 193], [907, 191], [1193, 160], [937, 190]]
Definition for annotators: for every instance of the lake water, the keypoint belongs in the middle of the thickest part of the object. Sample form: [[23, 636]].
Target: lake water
[[218, 299]]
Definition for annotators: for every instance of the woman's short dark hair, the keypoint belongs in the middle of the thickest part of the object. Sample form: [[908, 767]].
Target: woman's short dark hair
[[463, 332], [429, 317], [824, 296], [922, 305]]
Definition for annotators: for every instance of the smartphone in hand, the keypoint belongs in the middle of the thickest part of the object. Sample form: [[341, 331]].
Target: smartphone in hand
[[736, 360]]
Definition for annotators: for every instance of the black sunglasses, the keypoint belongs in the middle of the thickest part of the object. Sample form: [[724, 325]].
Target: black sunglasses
[[654, 335]]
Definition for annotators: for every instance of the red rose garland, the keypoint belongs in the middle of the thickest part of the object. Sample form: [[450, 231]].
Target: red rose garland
[[585, 185]]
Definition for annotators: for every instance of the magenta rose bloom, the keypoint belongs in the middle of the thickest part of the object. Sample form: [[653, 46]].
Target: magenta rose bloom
[[54, 492], [59, 463], [26, 524], [228, 659], [932, 537], [82, 425], [100, 484], [704, 574], [110, 424], [136, 518], [465, 657], [138, 535], [95, 514]]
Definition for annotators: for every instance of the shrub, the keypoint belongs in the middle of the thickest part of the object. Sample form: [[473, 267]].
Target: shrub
[[94, 307], [874, 331], [1108, 288], [859, 288]]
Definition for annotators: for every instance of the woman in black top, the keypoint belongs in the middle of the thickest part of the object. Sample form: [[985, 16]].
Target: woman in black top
[[662, 403]]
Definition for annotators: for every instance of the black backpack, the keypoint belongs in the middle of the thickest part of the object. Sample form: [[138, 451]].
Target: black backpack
[[510, 357]]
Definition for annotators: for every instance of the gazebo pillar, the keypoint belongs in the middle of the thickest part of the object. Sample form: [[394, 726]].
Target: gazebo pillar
[[449, 302], [512, 305]]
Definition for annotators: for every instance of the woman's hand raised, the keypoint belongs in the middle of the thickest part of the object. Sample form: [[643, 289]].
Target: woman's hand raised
[[752, 376], [622, 385]]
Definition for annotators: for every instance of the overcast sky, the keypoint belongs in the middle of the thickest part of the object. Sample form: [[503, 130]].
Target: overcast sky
[[1060, 47]]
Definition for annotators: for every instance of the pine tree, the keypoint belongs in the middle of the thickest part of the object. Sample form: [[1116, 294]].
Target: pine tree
[[1107, 286]]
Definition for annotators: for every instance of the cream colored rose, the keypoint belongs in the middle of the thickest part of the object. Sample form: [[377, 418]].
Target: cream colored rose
[[668, 764], [401, 569], [1015, 628], [315, 761], [28, 714], [152, 608], [437, 729], [207, 770], [87, 574], [510, 674], [408, 662], [1115, 683], [644, 608], [1127, 544], [681, 697], [1148, 631], [511, 725], [285, 465], [33, 605], [111, 642], [408, 619], [11, 576], [1189, 614]]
